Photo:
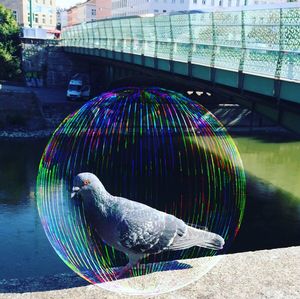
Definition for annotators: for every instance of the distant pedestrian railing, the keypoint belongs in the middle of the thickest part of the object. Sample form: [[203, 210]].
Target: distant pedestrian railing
[[263, 42], [40, 41]]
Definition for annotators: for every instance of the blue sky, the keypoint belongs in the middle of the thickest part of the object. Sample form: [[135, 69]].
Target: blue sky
[[67, 3]]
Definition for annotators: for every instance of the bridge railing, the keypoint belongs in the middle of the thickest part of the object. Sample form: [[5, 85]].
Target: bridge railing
[[260, 42]]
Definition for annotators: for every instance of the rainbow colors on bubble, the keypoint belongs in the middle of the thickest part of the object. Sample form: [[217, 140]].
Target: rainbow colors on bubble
[[149, 145]]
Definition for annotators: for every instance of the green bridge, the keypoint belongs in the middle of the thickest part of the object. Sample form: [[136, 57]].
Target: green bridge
[[252, 56]]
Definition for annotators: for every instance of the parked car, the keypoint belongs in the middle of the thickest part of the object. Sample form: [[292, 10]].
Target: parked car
[[79, 88]]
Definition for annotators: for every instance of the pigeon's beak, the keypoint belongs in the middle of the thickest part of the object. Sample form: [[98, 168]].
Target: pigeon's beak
[[74, 192]]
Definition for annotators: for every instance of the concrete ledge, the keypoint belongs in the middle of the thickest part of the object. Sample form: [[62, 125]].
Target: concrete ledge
[[261, 274]]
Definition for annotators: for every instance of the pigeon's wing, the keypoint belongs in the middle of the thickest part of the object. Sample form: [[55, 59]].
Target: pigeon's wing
[[145, 230]]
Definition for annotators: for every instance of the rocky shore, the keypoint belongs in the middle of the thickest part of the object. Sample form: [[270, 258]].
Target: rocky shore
[[26, 113], [21, 133], [46, 133], [236, 120]]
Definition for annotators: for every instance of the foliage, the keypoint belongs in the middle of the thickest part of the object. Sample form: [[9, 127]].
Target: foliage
[[9, 45]]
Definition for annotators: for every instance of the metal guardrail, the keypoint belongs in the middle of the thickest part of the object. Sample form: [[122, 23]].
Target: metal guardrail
[[40, 41], [264, 42]]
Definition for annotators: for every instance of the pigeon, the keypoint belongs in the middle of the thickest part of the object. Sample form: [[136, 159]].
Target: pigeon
[[135, 228]]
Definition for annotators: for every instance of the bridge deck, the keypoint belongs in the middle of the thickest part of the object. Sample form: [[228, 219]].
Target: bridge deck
[[254, 50]]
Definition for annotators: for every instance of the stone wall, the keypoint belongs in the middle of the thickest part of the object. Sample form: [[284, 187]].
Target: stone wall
[[20, 110], [34, 61], [61, 67], [46, 65]]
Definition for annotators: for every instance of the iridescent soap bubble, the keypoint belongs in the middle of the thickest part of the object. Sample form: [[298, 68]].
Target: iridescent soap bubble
[[149, 145]]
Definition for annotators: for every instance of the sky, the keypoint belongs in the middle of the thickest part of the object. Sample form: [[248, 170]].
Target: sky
[[67, 3]]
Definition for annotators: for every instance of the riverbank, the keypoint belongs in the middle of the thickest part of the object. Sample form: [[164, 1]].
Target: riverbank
[[46, 133], [32, 113], [259, 274], [24, 134], [238, 123]]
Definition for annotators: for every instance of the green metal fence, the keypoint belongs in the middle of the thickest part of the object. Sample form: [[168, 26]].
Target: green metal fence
[[259, 42]]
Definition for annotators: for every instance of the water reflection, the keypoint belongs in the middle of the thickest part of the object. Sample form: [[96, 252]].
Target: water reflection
[[25, 250], [274, 159], [272, 215]]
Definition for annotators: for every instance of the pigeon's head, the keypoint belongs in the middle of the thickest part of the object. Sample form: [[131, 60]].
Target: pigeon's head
[[86, 183]]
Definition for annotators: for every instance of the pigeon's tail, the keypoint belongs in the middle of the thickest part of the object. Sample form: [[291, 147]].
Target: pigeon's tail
[[197, 237]]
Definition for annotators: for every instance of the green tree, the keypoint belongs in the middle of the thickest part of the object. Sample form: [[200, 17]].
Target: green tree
[[9, 45]]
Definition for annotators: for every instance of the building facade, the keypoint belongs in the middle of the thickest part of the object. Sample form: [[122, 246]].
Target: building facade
[[33, 13], [122, 8], [62, 18], [83, 12], [104, 8], [17, 9]]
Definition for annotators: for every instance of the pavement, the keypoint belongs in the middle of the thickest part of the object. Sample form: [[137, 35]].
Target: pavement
[[254, 275]]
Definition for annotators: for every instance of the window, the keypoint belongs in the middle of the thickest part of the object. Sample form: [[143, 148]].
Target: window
[[220, 3], [44, 19], [203, 2], [36, 18], [229, 3], [15, 15], [93, 12], [32, 18], [195, 1], [50, 19]]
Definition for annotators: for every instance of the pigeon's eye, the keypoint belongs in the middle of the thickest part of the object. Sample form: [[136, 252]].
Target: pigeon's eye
[[86, 182]]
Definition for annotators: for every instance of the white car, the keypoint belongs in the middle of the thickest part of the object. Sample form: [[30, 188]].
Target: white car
[[78, 88]]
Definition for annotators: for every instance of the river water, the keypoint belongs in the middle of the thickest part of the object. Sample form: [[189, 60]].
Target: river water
[[272, 215]]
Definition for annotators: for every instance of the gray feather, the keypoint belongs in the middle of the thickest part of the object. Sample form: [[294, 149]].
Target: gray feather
[[146, 230]]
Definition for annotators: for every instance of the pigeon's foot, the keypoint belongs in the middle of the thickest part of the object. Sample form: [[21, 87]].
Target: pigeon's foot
[[125, 270], [122, 272]]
